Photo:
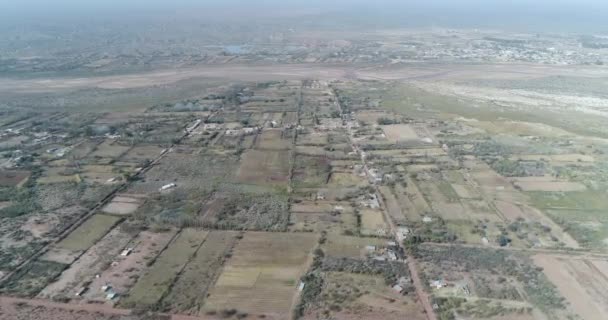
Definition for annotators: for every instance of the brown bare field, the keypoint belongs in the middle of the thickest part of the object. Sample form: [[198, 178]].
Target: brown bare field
[[29, 309], [463, 191], [65, 256], [312, 139], [102, 174], [329, 216], [341, 246], [262, 275], [58, 175], [372, 223], [399, 132], [13, 178], [509, 210], [393, 207], [124, 271], [123, 204], [267, 167], [583, 282], [272, 139], [345, 180]]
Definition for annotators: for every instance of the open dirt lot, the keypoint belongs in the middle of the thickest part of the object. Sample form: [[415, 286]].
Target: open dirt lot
[[399, 132], [92, 262], [124, 271], [264, 167], [583, 282], [123, 204], [13, 178]]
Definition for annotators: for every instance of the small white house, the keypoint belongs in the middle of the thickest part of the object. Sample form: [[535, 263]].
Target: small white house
[[168, 186], [80, 291], [126, 252]]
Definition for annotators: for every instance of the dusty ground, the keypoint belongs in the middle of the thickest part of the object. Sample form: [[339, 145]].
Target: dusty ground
[[93, 261], [299, 71], [124, 271], [583, 282]]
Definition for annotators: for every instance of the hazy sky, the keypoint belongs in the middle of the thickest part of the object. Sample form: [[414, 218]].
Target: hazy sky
[[547, 14]]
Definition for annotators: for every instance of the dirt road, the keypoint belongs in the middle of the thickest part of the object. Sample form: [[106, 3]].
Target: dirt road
[[423, 297]]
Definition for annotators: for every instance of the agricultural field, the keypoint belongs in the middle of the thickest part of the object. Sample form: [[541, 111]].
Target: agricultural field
[[306, 199], [264, 167], [156, 282], [581, 281], [262, 276], [88, 233]]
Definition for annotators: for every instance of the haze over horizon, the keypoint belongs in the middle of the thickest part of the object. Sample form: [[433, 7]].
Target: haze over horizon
[[588, 16]]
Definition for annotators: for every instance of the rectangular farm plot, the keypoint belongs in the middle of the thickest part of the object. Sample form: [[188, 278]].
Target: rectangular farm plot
[[123, 204], [109, 149], [13, 178], [273, 139], [310, 171], [372, 223], [263, 273], [549, 186], [151, 287], [323, 216], [345, 180], [89, 232], [102, 174], [189, 291], [583, 282], [29, 281], [123, 272], [58, 175], [393, 207], [266, 167], [142, 153], [399, 132], [92, 262], [339, 246]]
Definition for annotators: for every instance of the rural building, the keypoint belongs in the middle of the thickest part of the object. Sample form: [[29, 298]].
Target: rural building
[[168, 186]]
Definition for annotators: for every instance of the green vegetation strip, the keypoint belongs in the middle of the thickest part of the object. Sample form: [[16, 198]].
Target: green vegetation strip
[[156, 282], [27, 282], [89, 232]]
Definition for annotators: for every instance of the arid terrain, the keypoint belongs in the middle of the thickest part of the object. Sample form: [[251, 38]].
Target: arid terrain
[[303, 173]]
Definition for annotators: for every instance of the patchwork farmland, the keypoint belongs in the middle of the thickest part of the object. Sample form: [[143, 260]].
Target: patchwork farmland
[[306, 200]]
